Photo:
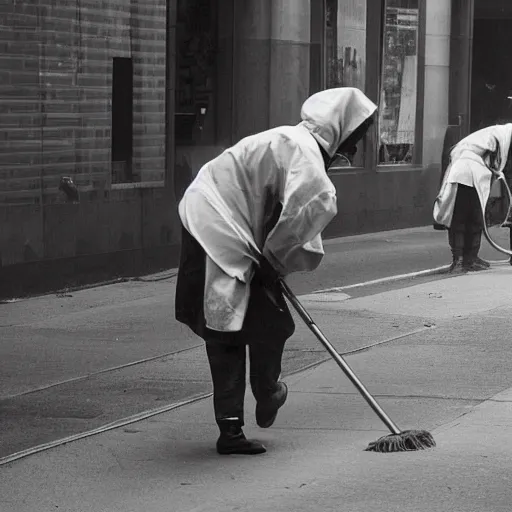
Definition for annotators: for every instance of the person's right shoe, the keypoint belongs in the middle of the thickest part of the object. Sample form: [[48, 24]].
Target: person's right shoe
[[457, 266], [456, 240], [232, 441], [266, 411]]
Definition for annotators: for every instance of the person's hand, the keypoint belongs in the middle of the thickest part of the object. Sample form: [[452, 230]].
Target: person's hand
[[269, 278]]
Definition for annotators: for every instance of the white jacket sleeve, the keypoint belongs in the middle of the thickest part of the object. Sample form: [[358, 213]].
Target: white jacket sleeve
[[309, 204]]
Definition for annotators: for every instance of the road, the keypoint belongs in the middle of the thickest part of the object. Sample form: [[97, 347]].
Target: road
[[72, 363], [358, 259], [439, 361]]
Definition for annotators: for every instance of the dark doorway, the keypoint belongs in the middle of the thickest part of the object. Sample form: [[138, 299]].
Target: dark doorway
[[491, 81]]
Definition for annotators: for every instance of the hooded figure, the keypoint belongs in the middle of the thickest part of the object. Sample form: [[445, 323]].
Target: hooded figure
[[465, 191], [269, 191]]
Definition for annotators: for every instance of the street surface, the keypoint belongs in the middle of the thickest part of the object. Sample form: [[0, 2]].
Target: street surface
[[431, 348], [74, 362]]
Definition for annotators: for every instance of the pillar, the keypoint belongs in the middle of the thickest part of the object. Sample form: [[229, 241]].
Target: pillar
[[251, 67], [460, 63], [271, 63], [289, 60]]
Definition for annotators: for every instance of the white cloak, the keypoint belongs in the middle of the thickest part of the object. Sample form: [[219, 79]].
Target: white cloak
[[470, 166], [224, 207]]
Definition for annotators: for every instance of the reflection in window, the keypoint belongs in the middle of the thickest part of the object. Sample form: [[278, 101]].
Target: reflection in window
[[346, 43], [346, 51], [397, 112]]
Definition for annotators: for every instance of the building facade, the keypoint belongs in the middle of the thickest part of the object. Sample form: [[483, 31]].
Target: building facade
[[129, 98]]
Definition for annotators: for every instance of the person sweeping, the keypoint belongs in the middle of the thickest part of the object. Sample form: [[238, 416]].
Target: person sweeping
[[272, 189], [465, 191]]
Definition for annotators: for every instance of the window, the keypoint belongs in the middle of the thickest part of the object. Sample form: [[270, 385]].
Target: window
[[345, 35], [122, 120], [399, 83], [138, 135], [346, 43]]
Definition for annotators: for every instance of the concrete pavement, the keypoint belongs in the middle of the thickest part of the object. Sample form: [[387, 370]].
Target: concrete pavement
[[449, 372], [75, 361], [83, 369]]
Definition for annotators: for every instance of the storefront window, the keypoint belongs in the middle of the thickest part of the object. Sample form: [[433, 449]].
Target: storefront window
[[346, 52], [398, 102], [346, 43]]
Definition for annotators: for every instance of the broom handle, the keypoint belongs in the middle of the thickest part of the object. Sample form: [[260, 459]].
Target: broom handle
[[339, 360]]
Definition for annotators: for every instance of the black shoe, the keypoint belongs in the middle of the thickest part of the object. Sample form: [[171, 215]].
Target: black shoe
[[266, 412], [480, 261], [457, 267], [232, 441], [472, 242], [473, 265]]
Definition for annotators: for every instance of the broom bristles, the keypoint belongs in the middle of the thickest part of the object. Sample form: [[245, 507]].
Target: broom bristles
[[407, 441]]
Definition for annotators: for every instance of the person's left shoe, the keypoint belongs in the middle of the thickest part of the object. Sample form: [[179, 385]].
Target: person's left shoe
[[474, 265], [266, 411], [472, 262], [480, 261]]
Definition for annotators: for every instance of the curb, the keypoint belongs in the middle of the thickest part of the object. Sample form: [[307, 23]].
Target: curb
[[173, 272], [399, 277], [389, 279]]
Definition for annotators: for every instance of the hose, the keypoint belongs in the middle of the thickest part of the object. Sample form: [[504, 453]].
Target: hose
[[500, 176]]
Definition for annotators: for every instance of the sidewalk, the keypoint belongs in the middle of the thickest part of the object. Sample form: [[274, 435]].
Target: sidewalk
[[75, 361], [450, 373]]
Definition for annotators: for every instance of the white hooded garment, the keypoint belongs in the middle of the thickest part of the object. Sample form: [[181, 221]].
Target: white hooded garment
[[469, 166], [226, 207]]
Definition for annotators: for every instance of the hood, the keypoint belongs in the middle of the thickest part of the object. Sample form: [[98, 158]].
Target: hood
[[332, 115]]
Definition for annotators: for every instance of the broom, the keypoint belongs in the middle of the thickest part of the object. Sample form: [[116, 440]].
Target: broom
[[397, 441]]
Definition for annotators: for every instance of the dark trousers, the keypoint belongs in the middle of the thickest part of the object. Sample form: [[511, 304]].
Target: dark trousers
[[265, 331], [228, 369], [465, 232]]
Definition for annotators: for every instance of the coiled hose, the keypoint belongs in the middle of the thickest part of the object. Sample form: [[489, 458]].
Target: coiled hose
[[508, 220]]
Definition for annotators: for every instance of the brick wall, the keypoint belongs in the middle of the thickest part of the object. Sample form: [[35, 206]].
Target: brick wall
[[56, 88]]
